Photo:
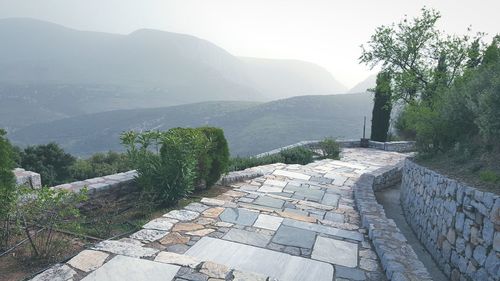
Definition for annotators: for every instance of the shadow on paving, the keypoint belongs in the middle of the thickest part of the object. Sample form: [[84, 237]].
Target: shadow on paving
[[389, 198]]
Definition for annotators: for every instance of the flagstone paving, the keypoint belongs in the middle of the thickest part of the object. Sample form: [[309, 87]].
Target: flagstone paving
[[293, 223]]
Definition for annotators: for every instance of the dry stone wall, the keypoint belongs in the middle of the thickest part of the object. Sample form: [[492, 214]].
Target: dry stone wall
[[459, 225]]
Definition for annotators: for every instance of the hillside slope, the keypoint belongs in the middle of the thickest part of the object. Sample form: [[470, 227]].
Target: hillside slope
[[285, 78], [250, 127], [363, 86], [49, 72]]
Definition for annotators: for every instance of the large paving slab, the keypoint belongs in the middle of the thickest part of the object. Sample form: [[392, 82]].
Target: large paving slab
[[335, 251], [266, 262], [122, 268]]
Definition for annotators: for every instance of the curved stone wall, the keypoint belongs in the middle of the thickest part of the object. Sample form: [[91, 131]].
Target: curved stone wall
[[459, 225]]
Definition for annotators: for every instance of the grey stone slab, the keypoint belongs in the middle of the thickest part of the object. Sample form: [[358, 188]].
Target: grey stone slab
[[354, 235], [149, 235], [196, 207], [182, 215], [334, 217], [310, 194], [335, 251], [88, 260], [350, 273], [269, 202], [268, 222], [58, 272], [293, 175], [160, 224], [124, 248], [330, 199], [247, 237], [239, 216], [261, 261], [291, 236], [122, 268]]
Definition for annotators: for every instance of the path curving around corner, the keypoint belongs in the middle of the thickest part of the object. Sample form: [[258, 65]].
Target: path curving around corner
[[389, 199]]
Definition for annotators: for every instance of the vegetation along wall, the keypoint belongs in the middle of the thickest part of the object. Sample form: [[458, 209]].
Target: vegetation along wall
[[459, 225]]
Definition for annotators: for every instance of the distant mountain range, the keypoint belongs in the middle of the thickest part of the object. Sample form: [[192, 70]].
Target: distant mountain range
[[250, 127], [365, 85], [49, 72]]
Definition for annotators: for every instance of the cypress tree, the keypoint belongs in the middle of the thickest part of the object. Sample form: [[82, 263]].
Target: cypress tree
[[382, 107]]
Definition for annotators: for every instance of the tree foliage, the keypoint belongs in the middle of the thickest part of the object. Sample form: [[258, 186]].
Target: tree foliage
[[50, 161], [7, 186], [417, 54], [382, 107]]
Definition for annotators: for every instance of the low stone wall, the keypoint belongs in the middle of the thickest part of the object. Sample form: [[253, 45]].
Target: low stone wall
[[29, 178], [459, 225], [398, 259], [396, 146]]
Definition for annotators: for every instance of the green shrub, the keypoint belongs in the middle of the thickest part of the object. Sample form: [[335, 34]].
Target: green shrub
[[489, 176], [7, 188], [218, 152], [297, 155], [330, 148], [172, 164], [50, 161], [242, 163], [48, 209], [100, 164]]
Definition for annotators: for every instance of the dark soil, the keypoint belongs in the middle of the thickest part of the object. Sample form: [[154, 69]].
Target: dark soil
[[104, 219]]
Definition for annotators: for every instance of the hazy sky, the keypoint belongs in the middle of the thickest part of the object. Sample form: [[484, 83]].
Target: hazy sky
[[324, 32]]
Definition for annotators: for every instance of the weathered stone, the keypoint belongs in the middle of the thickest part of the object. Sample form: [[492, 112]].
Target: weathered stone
[[178, 248], [58, 272], [269, 202], [269, 189], [196, 207], [126, 268], [187, 226], [479, 254], [239, 216], [201, 232], [160, 224], [213, 212], [261, 261], [247, 237], [182, 215], [126, 249], [325, 229], [296, 216], [214, 270], [247, 276], [291, 236], [268, 222], [368, 264], [292, 175], [174, 238], [173, 258], [349, 273], [205, 221], [335, 251], [149, 235], [212, 202], [334, 217], [496, 241], [88, 260]]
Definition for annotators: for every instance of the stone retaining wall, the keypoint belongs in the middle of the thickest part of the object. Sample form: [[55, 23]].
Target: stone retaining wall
[[459, 225], [398, 259]]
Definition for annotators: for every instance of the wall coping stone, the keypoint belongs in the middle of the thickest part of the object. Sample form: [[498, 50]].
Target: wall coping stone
[[398, 258]]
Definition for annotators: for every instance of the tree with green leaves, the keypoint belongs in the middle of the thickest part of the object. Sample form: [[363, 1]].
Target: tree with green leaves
[[382, 107], [7, 187], [416, 53], [50, 161]]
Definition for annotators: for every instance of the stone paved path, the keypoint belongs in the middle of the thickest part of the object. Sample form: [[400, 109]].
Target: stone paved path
[[294, 223]]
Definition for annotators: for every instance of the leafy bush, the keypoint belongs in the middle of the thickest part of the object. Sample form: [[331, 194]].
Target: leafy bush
[[48, 209], [489, 176], [297, 155], [242, 163], [218, 152], [172, 164], [330, 148], [7, 187], [50, 161], [100, 164]]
